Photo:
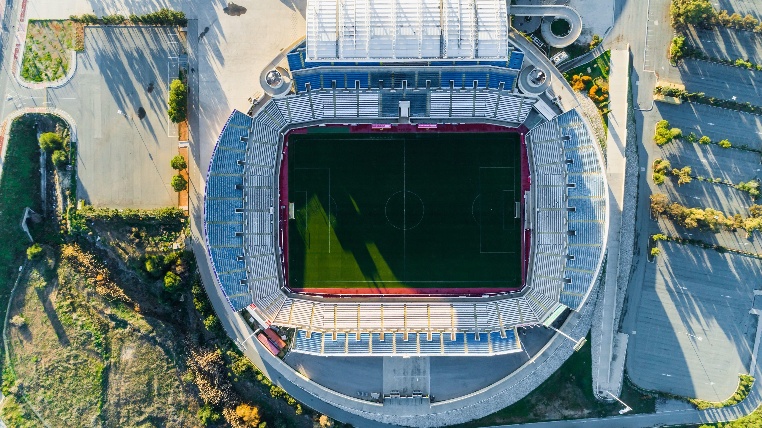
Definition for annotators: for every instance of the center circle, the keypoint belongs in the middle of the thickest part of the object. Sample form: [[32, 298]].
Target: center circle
[[404, 210]]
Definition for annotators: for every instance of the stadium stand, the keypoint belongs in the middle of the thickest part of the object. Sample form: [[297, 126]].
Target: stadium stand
[[240, 216]]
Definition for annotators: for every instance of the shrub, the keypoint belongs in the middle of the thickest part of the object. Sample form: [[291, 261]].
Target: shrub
[[50, 141], [88, 18], [663, 135], [676, 133], [207, 415], [178, 101], [155, 265], [677, 49], [59, 158], [725, 144], [705, 140], [172, 282], [18, 321], [659, 237], [34, 252], [114, 19], [595, 42], [179, 183], [661, 165], [655, 252], [658, 178], [178, 163], [211, 322], [751, 187]]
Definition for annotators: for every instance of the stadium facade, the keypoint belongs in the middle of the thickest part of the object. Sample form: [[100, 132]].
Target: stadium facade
[[416, 65]]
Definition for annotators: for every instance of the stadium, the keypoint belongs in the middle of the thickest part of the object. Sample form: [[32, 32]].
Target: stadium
[[418, 182]]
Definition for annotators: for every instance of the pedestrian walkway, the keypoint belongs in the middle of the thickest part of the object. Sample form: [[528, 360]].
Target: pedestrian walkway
[[611, 349]]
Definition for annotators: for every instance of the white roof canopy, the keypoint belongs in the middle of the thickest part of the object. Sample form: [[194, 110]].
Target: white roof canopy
[[368, 30]]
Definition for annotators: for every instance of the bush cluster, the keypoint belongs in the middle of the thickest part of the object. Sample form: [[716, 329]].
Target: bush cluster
[[706, 218], [162, 16], [744, 386], [664, 134], [130, 215], [701, 98], [701, 13], [178, 101], [660, 167], [677, 49]]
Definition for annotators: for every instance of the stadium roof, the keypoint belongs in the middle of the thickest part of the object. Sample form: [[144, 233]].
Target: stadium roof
[[405, 30]]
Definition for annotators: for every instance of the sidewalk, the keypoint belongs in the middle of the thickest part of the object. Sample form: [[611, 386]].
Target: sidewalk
[[610, 350]]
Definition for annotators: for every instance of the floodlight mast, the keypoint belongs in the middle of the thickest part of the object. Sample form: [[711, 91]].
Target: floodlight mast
[[626, 407], [578, 344]]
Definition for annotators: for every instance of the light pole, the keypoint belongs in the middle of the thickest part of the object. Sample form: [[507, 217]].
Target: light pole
[[577, 343], [626, 407]]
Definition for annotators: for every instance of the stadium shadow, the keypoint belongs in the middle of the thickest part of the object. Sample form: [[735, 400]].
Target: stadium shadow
[[693, 333]]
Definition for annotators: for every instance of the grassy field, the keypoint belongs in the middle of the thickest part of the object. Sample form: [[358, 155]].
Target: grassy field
[[19, 188], [48, 47], [413, 211], [567, 394]]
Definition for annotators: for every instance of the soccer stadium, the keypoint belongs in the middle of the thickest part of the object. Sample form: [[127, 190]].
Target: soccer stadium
[[413, 185]]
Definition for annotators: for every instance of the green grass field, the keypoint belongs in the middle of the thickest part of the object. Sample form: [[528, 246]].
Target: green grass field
[[399, 213]]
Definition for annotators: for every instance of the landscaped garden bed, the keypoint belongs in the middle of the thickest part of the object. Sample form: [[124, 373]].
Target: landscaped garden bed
[[47, 53]]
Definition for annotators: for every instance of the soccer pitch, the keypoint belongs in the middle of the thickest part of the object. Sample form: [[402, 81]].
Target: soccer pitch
[[421, 213]]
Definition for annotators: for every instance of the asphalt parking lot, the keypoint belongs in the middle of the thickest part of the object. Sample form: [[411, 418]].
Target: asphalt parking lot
[[721, 81], [118, 98], [716, 123], [693, 333], [727, 44]]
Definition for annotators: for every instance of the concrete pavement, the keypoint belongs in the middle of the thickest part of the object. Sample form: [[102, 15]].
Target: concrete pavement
[[612, 346]]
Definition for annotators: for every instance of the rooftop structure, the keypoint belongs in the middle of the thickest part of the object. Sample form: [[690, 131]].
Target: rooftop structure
[[404, 30]]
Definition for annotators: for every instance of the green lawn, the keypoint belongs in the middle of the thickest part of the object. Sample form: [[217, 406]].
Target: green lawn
[[19, 188], [599, 67], [434, 211]]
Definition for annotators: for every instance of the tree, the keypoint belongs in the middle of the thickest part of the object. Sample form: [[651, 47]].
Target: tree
[[59, 158], [172, 282], [248, 414], [207, 415], [676, 49], [179, 183], [50, 141], [155, 265], [34, 252], [655, 252], [756, 211], [725, 144], [659, 203], [691, 12], [178, 163], [705, 140], [178, 101]]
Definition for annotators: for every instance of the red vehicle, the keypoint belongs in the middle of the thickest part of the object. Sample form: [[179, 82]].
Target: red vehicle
[[270, 347], [274, 338]]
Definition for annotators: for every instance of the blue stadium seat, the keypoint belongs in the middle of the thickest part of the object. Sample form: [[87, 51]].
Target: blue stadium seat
[[431, 76], [517, 58], [456, 77], [295, 61], [390, 104]]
